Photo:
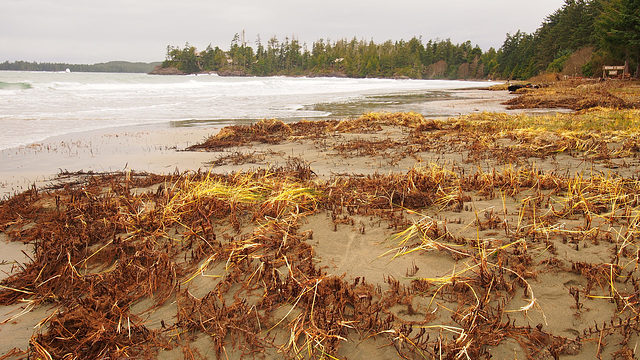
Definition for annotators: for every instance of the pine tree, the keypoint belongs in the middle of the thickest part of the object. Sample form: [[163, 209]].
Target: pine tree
[[618, 29]]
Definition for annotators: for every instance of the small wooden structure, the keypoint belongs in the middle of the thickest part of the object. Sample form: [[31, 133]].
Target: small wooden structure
[[616, 72]]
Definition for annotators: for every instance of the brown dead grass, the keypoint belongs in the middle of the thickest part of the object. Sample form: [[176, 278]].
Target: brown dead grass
[[111, 242], [580, 95]]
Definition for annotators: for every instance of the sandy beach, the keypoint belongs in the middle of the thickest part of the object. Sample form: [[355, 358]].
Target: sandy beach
[[508, 234]]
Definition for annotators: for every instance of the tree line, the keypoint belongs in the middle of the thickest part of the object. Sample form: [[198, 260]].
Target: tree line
[[576, 39], [439, 59]]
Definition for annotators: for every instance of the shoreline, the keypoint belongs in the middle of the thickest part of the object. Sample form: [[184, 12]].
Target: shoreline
[[146, 148], [152, 147]]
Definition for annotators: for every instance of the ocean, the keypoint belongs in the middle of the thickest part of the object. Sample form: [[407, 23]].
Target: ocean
[[38, 105]]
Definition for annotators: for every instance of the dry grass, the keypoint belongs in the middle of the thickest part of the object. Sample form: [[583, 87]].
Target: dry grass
[[229, 253], [580, 95]]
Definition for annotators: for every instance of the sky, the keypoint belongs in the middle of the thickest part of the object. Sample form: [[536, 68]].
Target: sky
[[91, 31]]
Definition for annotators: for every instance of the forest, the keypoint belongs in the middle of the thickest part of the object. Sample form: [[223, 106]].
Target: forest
[[576, 40]]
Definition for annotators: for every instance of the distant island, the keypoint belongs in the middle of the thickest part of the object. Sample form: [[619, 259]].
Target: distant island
[[111, 66]]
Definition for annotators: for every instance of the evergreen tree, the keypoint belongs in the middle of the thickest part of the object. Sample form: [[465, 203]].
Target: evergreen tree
[[515, 58], [618, 29]]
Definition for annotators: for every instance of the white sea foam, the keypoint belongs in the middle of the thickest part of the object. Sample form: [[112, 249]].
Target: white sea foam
[[49, 104]]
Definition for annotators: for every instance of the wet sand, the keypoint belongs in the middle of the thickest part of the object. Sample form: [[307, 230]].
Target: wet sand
[[140, 148]]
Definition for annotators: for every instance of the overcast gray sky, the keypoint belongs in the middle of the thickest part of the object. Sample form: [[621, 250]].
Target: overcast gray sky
[[89, 31]]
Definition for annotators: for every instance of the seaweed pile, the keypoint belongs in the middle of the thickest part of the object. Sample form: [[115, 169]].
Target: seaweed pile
[[604, 137], [579, 95], [229, 266]]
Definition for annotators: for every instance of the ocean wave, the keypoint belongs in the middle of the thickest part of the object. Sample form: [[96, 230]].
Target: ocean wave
[[71, 102], [14, 85]]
